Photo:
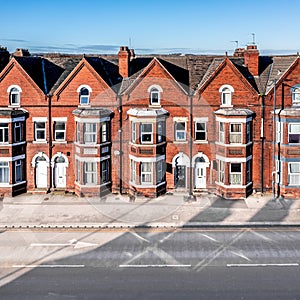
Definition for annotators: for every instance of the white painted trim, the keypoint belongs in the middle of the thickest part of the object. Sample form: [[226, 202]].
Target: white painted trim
[[59, 154], [200, 119], [146, 159], [154, 86], [185, 159], [8, 159], [232, 119], [180, 119], [39, 119], [147, 185], [87, 159], [200, 154], [13, 86], [233, 145], [5, 120], [234, 159], [18, 183], [84, 86], [226, 86], [232, 186], [91, 120], [39, 154], [61, 119], [19, 119]]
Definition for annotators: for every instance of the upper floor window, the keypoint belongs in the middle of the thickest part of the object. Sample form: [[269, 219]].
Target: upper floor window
[[59, 131], [294, 133], [3, 132], [18, 132], [222, 132], [154, 94], [84, 94], [235, 134], [104, 132], [133, 132], [14, 95], [146, 133], [226, 95], [90, 133], [180, 131], [294, 173], [200, 131], [248, 132], [40, 131], [160, 132], [296, 94]]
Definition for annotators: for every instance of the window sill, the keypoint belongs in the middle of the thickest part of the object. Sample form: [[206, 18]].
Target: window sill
[[226, 105], [59, 142], [200, 142], [39, 142], [180, 142]]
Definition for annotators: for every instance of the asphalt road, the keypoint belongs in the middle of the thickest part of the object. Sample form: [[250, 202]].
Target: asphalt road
[[180, 264]]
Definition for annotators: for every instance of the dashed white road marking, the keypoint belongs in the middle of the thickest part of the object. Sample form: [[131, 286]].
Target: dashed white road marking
[[155, 266], [263, 265], [209, 237], [48, 266]]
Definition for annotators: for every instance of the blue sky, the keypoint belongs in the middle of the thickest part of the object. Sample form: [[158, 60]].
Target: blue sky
[[188, 26]]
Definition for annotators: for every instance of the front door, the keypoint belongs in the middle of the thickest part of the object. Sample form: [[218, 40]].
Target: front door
[[200, 175], [41, 173], [60, 173], [180, 177]]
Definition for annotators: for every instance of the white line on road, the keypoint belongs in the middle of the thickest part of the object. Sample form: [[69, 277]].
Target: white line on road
[[263, 265], [138, 236], [155, 266], [209, 237], [48, 266], [166, 237], [240, 255]]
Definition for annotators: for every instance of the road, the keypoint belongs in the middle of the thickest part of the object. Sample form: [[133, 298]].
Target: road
[[151, 264]]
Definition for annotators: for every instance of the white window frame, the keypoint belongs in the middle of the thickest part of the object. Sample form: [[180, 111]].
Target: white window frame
[[4, 172], [278, 171], [248, 132], [104, 132], [78, 171], [178, 132], [90, 176], [160, 131], [248, 171], [78, 132], [133, 132], [222, 171], [279, 130], [41, 130], [293, 133], [235, 137], [133, 171], [18, 134], [18, 171], [296, 95], [222, 132], [226, 95], [146, 173], [146, 133], [154, 91], [104, 171], [83, 102], [294, 177], [200, 131], [4, 133], [159, 171], [90, 136], [59, 131], [235, 178], [14, 94]]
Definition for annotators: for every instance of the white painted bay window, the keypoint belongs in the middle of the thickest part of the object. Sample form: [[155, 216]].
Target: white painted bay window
[[235, 174], [294, 133], [222, 171], [3, 132], [146, 173], [235, 136], [90, 173], [90, 133], [294, 173], [146, 133], [4, 172]]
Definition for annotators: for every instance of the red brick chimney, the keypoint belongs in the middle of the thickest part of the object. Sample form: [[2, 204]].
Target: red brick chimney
[[251, 58], [124, 58]]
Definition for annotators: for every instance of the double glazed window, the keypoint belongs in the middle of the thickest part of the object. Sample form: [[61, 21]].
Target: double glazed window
[[222, 132], [235, 136], [14, 96], [146, 172], [18, 132], [221, 171], [200, 131], [235, 175], [104, 132], [294, 173], [180, 131], [90, 133], [90, 173], [296, 95], [4, 172], [59, 131], [294, 133], [154, 96], [84, 96], [40, 131], [3, 132], [105, 171], [19, 171], [146, 133]]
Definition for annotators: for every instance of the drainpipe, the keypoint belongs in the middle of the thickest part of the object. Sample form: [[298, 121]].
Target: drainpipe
[[120, 142], [50, 139], [262, 137], [191, 196], [274, 138]]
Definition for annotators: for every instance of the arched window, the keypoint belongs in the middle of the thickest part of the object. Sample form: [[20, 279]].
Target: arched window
[[154, 94], [226, 95], [296, 95], [14, 95], [84, 94]]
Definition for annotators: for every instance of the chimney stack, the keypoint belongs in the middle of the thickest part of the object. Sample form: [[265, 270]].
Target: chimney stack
[[251, 59], [4, 57], [124, 59], [21, 52]]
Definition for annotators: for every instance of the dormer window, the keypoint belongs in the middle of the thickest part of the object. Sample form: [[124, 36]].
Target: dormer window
[[84, 94], [226, 95], [154, 94], [296, 95], [14, 95]]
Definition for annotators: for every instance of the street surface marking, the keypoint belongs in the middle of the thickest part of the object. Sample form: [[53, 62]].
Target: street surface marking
[[241, 255], [74, 243], [260, 235], [167, 237], [138, 236], [155, 266], [209, 237], [48, 266], [264, 265]]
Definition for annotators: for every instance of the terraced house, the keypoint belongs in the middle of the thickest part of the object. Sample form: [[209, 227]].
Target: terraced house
[[149, 125]]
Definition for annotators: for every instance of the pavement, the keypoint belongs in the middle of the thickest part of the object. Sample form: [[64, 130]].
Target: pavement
[[168, 211]]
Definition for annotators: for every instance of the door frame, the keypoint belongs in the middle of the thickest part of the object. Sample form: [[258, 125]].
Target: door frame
[[34, 165], [200, 158], [53, 165]]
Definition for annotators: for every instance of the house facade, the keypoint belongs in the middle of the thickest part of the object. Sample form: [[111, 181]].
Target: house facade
[[150, 125]]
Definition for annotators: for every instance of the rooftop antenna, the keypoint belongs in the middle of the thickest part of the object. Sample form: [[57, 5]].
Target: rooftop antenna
[[253, 38], [236, 42]]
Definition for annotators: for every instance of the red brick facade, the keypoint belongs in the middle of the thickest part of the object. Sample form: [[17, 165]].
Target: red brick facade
[[150, 125]]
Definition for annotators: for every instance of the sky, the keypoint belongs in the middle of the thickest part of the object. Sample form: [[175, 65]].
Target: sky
[[150, 26]]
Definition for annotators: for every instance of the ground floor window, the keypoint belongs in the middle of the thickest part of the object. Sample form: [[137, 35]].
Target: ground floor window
[[235, 174], [78, 170], [221, 171], [4, 172], [90, 173], [249, 171], [146, 173], [159, 171], [18, 171], [133, 171], [105, 171], [294, 173]]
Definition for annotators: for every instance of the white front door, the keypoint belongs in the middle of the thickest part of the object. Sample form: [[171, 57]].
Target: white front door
[[60, 175], [200, 175], [41, 174]]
